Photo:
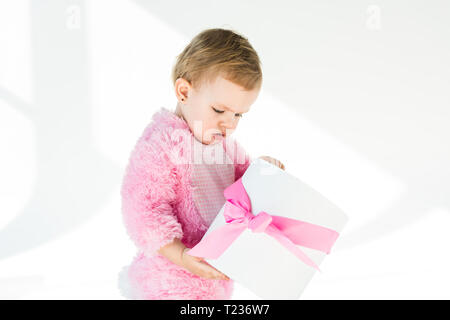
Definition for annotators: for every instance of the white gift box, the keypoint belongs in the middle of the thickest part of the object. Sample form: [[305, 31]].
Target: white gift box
[[256, 260]]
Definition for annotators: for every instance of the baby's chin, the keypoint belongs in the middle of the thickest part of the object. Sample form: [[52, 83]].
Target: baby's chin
[[214, 139]]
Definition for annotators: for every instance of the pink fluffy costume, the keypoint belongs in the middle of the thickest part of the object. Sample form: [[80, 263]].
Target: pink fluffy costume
[[158, 205]]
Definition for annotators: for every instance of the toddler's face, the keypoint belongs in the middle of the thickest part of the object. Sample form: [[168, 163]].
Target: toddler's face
[[213, 112]]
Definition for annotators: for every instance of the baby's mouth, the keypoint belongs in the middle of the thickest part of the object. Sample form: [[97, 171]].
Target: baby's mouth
[[218, 136]]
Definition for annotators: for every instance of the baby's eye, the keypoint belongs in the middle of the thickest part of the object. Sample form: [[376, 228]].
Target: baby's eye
[[218, 111], [221, 111]]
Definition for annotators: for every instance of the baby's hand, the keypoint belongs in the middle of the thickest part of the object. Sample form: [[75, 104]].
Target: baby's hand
[[273, 161], [200, 267]]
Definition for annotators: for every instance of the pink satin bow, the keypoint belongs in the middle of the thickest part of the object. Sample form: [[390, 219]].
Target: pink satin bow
[[289, 232]]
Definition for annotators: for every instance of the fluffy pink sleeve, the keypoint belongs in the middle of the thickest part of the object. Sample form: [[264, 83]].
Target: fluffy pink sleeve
[[148, 193]]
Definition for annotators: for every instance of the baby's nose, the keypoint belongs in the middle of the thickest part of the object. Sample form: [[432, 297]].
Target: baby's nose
[[226, 125], [228, 130]]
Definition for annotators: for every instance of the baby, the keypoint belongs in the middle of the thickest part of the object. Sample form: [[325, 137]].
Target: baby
[[169, 199]]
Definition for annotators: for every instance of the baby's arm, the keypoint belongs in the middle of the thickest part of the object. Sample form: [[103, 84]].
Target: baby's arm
[[148, 191], [174, 251]]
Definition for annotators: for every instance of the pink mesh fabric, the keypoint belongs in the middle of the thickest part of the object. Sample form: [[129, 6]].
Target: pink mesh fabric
[[212, 172]]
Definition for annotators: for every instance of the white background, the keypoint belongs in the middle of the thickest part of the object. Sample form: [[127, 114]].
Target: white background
[[355, 102]]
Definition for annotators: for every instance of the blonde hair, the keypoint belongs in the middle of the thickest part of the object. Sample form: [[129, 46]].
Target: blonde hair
[[219, 52]]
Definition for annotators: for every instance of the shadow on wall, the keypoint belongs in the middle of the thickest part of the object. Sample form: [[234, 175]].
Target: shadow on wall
[[73, 179]]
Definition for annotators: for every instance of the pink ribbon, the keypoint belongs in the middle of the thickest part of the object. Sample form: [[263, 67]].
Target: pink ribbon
[[289, 232]]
